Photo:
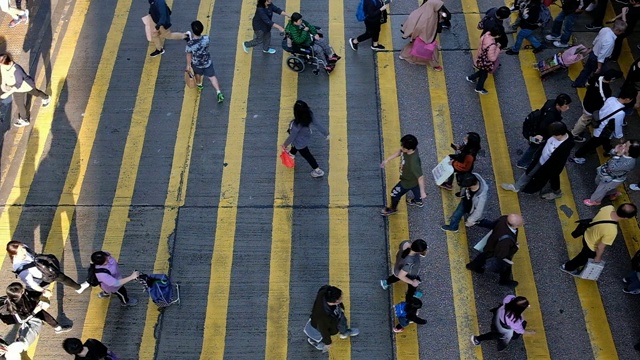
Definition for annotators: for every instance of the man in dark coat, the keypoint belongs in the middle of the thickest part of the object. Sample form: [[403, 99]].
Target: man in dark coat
[[502, 245], [262, 24], [547, 164], [327, 318], [494, 18], [161, 16]]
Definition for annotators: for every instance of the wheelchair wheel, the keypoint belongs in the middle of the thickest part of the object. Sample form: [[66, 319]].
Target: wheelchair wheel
[[295, 63]]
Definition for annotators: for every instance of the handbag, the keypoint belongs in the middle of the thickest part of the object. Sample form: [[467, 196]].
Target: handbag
[[592, 270], [286, 159], [442, 171], [149, 26], [584, 224], [189, 79], [422, 50]]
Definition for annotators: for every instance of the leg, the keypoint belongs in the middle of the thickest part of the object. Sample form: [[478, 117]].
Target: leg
[[454, 220], [67, 281], [588, 147], [416, 193], [375, 32], [122, 295], [474, 76], [556, 29], [343, 328], [319, 52], [20, 99], [527, 157], [634, 282], [169, 35], [258, 38], [38, 93], [477, 264], [617, 47], [266, 40], [522, 34], [411, 290], [369, 32], [581, 125], [392, 279], [602, 189], [46, 317], [215, 83], [326, 48], [482, 77], [396, 194], [306, 154], [524, 179], [569, 22], [533, 40], [506, 276], [599, 12], [156, 38], [606, 145], [581, 259], [487, 336], [589, 67], [554, 183]]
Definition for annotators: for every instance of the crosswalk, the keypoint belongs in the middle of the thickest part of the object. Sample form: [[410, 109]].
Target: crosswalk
[[168, 181]]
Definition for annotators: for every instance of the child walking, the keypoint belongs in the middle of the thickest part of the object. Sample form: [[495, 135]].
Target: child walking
[[199, 59], [407, 313]]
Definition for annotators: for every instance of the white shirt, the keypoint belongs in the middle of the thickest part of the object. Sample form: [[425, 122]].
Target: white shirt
[[603, 44], [551, 146], [30, 277], [611, 105]]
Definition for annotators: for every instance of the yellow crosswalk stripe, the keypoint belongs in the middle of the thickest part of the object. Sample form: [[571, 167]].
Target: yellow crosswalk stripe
[[398, 230], [176, 192], [215, 322], [536, 345], [277, 341]]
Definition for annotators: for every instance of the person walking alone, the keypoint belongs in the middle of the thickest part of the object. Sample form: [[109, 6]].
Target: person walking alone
[[199, 59], [300, 134], [614, 172], [375, 15], [91, 349], [529, 22], [17, 83], [507, 322], [262, 23], [161, 16], [567, 17], [486, 60], [407, 266], [473, 197], [422, 23], [327, 318], [464, 159]]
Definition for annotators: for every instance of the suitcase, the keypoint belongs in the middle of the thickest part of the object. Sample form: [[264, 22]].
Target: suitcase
[[592, 270]]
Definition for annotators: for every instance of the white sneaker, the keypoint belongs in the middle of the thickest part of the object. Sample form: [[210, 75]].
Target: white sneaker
[[317, 173], [350, 332], [578, 160], [46, 102], [509, 187], [26, 16], [83, 287], [634, 187], [21, 123], [552, 38], [559, 44], [103, 295]]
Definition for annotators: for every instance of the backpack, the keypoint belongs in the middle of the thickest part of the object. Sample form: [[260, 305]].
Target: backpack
[[484, 20], [92, 279], [584, 224], [360, 15], [48, 265], [532, 123], [545, 16]]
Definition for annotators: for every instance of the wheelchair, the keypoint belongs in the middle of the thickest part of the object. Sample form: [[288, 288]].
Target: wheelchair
[[301, 57]]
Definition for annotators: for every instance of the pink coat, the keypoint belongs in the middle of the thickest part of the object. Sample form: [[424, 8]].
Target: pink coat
[[493, 50]]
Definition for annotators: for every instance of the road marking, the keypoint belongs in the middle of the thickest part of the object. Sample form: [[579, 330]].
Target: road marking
[[277, 341], [536, 346], [338, 176], [407, 341], [215, 322], [176, 191]]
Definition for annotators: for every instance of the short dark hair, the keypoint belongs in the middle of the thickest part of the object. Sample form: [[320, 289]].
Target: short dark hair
[[634, 148], [413, 303], [72, 346], [419, 245], [557, 128], [467, 179], [503, 12], [333, 294], [296, 16], [99, 258], [262, 4], [495, 31], [627, 211], [409, 142], [563, 99], [197, 28], [628, 92]]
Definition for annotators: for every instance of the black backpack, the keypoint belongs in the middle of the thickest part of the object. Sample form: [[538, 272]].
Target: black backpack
[[48, 264], [92, 279], [532, 123]]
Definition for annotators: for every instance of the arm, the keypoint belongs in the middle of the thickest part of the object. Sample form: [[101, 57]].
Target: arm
[[463, 166], [189, 60], [395, 155], [423, 191], [292, 135], [599, 251], [403, 276], [298, 36], [477, 211], [109, 280]]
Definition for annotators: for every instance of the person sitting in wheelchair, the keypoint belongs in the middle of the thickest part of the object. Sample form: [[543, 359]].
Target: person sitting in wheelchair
[[305, 35]]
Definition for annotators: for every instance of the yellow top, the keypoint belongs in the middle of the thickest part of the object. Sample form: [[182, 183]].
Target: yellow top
[[602, 233]]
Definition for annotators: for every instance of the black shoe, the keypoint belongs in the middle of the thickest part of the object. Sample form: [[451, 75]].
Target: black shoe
[[354, 46], [510, 283], [414, 202], [157, 52], [377, 47], [579, 139], [575, 85], [538, 49], [511, 52], [471, 268], [592, 27]]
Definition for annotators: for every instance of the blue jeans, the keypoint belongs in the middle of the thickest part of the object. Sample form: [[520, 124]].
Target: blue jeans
[[569, 20], [589, 67], [527, 157], [634, 282], [457, 215], [525, 34]]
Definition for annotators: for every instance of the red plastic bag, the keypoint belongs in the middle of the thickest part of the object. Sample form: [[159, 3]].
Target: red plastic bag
[[286, 159]]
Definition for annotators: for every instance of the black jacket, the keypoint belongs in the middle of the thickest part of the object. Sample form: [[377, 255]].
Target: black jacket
[[160, 13], [372, 10], [570, 6], [262, 20], [325, 318], [550, 114], [593, 99], [551, 169], [505, 248], [531, 22], [490, 21]]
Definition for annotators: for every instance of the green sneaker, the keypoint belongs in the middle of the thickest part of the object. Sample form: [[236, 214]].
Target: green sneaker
[[220, 97], [200, 87]]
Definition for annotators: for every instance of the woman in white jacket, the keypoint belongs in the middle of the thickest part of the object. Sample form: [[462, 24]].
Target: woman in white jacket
[[473, 194]]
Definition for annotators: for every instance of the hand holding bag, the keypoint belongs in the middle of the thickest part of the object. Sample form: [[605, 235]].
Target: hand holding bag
[[286, 158], [442, 171], [189, 79]]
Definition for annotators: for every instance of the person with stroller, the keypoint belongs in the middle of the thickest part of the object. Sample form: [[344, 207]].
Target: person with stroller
[[262, 24], [305, 35], [111, 282]]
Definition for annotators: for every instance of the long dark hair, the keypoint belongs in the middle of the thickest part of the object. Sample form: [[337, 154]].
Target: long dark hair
[[472, 147], [302, 113], [262, 4], [417, 245], [516, 307]]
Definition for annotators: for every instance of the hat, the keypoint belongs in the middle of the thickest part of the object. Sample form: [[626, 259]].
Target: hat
[[612, 74]]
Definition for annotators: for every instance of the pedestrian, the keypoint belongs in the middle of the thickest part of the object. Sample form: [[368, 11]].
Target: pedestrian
[[614, 172], [305, 35], [494, 18], [473, 198], [567, 17], [411, 177], [161, 16], [610, 126], [630, 15], [598, 9], [528, 18], [17, 83], [550, 112], [507, 322], [464, 158], [502, 245], [23, 305], [407, 266], [407, 313], [632, 80], [111, 282], [598, 91], [24, 266], [422, 23], [601, 51], [262, 23], [327, 318], [17, 16], [486, 59], [199, 59], [28, 333], [375, 12], [598, 236], [548, 162], [300, 134], [92, 349]]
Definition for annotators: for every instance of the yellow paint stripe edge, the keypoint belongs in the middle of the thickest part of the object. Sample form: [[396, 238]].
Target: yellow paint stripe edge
[[407, 341], [215, 322]]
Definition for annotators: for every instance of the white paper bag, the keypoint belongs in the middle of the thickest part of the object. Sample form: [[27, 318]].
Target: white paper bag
[[442, 171], [483, 242], [592, 270]]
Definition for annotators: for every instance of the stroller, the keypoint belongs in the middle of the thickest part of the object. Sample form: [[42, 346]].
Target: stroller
[[562, 60], [160, 289]]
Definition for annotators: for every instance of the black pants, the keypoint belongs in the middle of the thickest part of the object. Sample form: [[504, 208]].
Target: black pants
[[306, 154], [504, 269], [372, 32], [581, 259], [599, 12], [21, 100], [591, 145], [64, 280], [46, 317], [495, 335], [617, 47], [481, 75], [122, 295], [410, 291]]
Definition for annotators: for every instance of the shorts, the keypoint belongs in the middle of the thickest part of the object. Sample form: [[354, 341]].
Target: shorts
[[208, 71]]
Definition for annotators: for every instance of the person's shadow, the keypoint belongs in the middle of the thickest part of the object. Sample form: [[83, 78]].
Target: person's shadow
[[38, 40]]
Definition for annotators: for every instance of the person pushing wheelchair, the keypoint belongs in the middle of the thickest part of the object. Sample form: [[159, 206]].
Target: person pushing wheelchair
[[303, 34]]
